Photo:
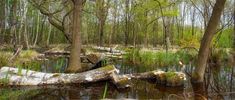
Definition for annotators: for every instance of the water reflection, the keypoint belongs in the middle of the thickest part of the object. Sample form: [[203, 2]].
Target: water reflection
[[141, 90], [218, 85]]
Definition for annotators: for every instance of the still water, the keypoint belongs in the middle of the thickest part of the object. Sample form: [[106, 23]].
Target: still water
[[218, 85]]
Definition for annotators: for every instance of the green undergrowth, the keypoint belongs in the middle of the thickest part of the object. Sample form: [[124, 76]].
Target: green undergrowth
[[4, 58], [4, 81], [170, 74], [24, 60], [11, 94], [224, 39], [161, 58], [27, 54]]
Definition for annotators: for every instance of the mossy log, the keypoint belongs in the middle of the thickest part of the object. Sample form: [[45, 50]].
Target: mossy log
[[15, 76], [164, 78]]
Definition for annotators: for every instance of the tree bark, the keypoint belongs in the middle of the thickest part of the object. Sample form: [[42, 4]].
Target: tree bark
[[127, 21], [37, 30], [101, 31], [210, 31], [102, 13], [234, 26], [145, 29], [74, 60], [15, 76], [193, 21], [2, 17], [13, 22]]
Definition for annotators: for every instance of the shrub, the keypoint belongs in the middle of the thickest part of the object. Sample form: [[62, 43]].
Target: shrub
[[4, 56]]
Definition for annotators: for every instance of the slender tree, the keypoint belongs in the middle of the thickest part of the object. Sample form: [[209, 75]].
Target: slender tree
[[234, 25], [2, 17], [204, 50], [12, 21], [102, 7]]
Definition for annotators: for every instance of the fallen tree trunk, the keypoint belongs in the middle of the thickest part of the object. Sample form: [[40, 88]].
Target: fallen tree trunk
[[108, 49], [15, 76]]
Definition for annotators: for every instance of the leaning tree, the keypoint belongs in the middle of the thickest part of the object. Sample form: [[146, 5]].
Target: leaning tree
[[204, 50]]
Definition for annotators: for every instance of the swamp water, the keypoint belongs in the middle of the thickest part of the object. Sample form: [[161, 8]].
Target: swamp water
[[218, 85]]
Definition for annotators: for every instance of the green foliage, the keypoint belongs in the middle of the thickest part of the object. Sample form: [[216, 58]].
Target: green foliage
[[189, 42], [160, 58], [11, 94], [187, 55], [19, 70], [224, 39], [104, 62], [133, 55], [105, 90], [4, 81], [59, 64], [24, 60], [31, 65], [170, 75], [4, 56], [28, 54], [171, 13]]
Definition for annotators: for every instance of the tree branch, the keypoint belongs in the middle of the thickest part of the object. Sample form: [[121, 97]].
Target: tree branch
[[52, 18]]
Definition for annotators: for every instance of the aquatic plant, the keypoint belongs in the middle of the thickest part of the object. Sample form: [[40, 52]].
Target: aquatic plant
[[9, 94], [59, 64], [29, 65], [159, 59], [105, 90], [133, 55], [104, 62], [4, 81]]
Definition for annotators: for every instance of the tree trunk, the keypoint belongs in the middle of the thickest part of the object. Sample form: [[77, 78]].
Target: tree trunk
[[210, 31], [74, 60], [145, 29], [15, 76], [234, 26], [206, 13], [127, 21], [193, 21], [25, 33], [101, 32], [37, 30], [13, 22], [2, 17], [49, 35], [102, 7]]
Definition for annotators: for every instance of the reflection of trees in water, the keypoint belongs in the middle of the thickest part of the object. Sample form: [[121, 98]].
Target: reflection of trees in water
[[218, 85], [218, 82]]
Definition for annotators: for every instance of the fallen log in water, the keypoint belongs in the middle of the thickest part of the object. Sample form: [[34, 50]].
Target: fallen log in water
[[111, 50], [15, 76]]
